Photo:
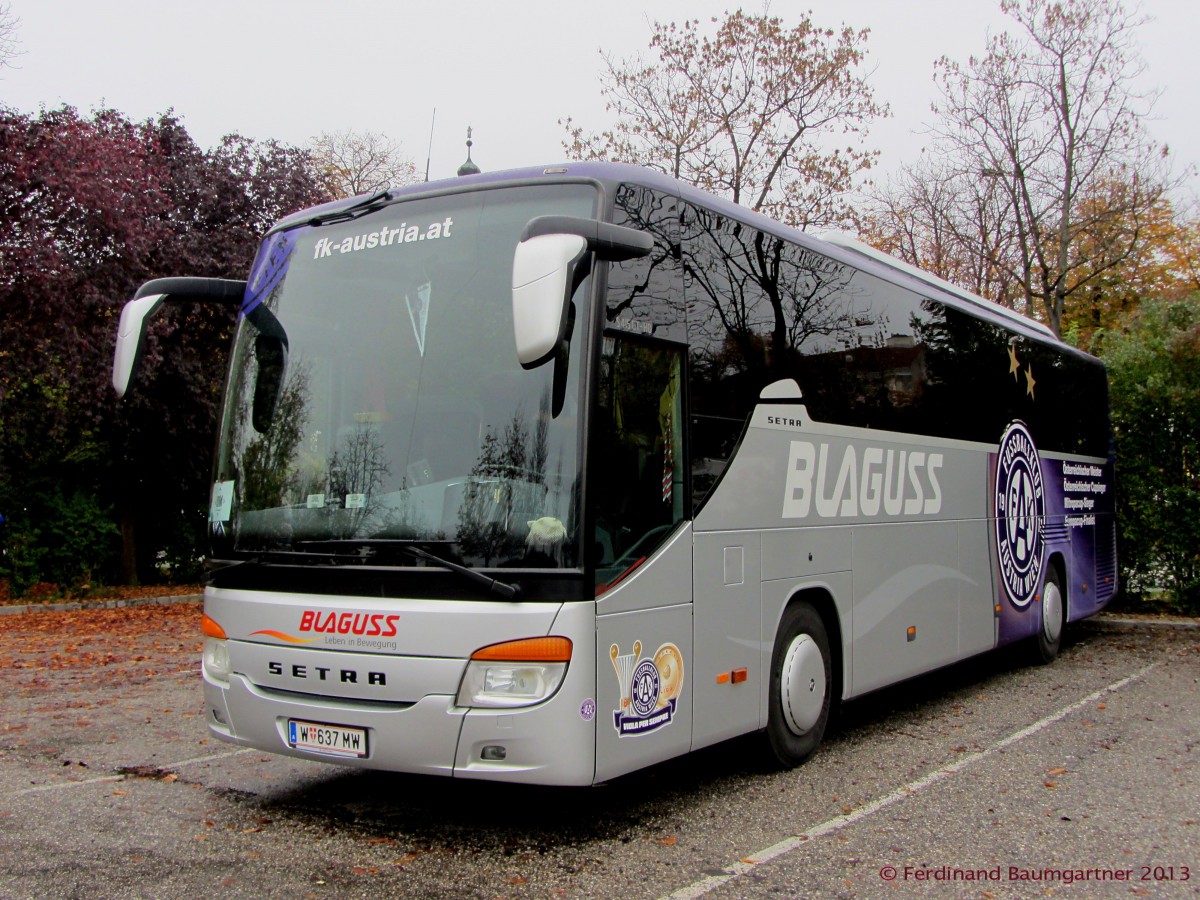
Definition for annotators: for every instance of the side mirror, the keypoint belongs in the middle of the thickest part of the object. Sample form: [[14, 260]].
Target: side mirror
[[136, 314], [543, 269], [131, 335], [547, 267]]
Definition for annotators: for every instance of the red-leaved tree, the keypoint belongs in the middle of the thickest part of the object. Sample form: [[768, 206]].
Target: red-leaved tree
[[91, 207]]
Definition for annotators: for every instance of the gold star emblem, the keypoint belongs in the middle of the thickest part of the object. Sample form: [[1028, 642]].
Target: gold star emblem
[[1013, 365], [1029, 382]]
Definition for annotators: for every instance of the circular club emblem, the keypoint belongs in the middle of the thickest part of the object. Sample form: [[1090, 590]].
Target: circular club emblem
[[645, 688], [1020, 512], [587, 710]]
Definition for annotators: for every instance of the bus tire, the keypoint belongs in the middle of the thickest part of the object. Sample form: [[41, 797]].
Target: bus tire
[[1054, 618], [801, 687]]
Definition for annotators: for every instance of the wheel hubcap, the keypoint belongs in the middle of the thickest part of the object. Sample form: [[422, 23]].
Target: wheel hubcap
[[803, 684], [1052, 612]]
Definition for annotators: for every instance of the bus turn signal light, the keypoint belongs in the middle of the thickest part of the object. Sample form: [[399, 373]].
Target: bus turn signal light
[[211, 629], [541, 649]]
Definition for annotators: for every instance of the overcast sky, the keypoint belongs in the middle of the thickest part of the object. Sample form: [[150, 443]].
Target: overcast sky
[[289, 69]]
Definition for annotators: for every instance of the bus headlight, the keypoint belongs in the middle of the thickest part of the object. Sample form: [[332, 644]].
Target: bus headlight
[[515, 673], [216, 651], [216, 659]]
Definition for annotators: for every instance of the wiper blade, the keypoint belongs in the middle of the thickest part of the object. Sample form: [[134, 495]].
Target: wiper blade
[[303, 557], [361, 208], [503, 588]]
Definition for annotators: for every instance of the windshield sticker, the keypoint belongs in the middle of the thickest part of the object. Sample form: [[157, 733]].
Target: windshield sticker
[[356, 501], [650, 688], [221, 509], [316, 501], [420, 472], [386, 236], [418, 312]]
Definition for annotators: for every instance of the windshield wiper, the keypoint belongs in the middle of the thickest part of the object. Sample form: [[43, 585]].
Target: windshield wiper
[[371, 547], [353, 211], [505, 589], [302, 557]]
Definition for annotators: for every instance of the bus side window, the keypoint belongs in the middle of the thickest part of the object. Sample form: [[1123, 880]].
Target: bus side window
[[645, 295], [638, 456]]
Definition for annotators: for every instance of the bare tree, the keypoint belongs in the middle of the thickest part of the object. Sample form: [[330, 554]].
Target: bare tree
[[770, 117], [8, 35], [955, 227], [1035, 133], [350, 163]]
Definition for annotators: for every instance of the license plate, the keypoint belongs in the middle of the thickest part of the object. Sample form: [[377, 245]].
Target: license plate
[[332, 740]]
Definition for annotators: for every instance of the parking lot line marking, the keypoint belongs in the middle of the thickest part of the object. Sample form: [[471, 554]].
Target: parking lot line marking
[[108, 778], [67, 784], [210, 758], [736, 870]]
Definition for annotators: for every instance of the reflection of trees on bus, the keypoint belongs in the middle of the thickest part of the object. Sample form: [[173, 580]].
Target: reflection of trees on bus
[[753, 308], [998, 377], [762, 295], [266, 426], [757, 308], [357, 470], [270, 474], [636, 286], [506, 488]]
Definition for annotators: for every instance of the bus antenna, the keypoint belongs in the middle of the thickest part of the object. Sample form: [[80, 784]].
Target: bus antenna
[[429, 153]]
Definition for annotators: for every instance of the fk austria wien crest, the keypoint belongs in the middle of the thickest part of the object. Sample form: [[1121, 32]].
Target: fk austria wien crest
[[650, 688], [1020, 505]]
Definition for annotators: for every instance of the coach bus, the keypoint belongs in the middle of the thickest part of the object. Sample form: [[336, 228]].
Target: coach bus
[[552, 474]]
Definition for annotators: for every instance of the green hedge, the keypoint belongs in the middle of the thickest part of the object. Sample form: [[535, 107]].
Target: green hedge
[[1154, 376]]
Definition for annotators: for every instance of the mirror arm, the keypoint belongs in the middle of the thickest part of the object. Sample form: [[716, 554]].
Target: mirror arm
[[195, 290], [613, 243], [136, 314], [554, 256], [562, 363]]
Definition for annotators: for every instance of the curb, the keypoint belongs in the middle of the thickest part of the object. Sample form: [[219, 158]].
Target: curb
[[1145, 621], [76, 605]]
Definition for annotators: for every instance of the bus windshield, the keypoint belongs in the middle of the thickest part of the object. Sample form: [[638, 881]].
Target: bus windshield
[[375, 397]]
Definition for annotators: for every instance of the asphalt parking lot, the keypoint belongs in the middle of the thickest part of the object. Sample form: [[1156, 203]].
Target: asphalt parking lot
[[988, 779]]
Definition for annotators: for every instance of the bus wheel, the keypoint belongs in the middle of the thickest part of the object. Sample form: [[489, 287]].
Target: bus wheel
[[801, 686], [1054, 616]]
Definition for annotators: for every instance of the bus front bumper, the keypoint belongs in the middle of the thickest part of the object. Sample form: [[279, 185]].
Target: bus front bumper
[[429, 737]]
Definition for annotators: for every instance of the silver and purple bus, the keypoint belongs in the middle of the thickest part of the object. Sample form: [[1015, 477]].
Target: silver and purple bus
[[549, 475]]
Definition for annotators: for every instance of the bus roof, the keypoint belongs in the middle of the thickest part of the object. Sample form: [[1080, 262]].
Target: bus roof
[[842, 248]]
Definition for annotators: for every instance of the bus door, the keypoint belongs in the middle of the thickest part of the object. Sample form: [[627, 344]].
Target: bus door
[[643, 557]]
